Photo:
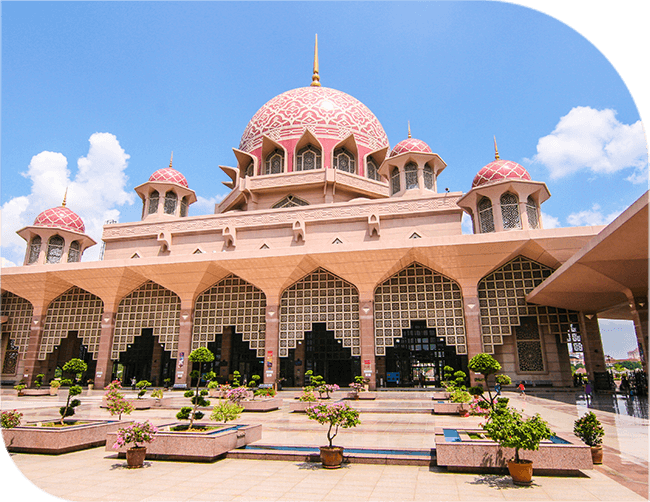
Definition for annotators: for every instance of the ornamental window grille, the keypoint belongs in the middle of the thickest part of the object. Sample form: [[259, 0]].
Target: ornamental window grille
[[372, 170], [531, 211], [502, 303], [308, 158], [510, 211], [290, 201], [394, 181], [411, 175], [11, 358], [249, 170], [171, 199], [55, 249], [344, 161], [419, 293], [231, 302], [184, 207], [153, 202], [427, 174], [274, 162], [19, 314], [74, 253], [485, 216], [34, 250], [529, 346], [75, 310]]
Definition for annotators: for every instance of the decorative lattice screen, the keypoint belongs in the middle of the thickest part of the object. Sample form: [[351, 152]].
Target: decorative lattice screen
[[231, 302], [19, 312], [320, 297], [149, 306], [502, 298], [419, 293], [75, 310], [529, 346]]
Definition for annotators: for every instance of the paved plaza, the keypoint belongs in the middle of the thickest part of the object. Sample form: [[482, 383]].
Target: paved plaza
[[395, 420]]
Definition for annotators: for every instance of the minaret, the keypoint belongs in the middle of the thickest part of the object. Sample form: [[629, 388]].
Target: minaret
[[315, 79]]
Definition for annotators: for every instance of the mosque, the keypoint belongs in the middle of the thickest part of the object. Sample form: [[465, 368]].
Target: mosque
[[333, 252]]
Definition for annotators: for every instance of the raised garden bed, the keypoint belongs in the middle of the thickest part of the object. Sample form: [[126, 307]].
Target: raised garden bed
[[204, 446], [441, 395], [31, 438], [35, 392], [361, 395], [300, 406], [449, 408], [468, 450], [264, 404]]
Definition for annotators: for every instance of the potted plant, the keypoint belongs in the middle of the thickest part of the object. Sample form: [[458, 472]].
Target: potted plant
[[74, 366], [589, 429], [91, 384], [138, 432], [20, 388], [214, 388], [507, 427], [115, 401], [11, 419], [54, 387], [334, 415], [167, 382], [486, 365], [461, 396], [197, 396]]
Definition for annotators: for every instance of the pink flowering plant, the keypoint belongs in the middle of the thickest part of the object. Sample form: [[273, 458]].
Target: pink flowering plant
[[11, 419], [137, 432], [115, 401], [334, 415], [237, 395]]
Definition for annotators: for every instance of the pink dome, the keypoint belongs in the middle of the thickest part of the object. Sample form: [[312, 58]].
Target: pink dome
[[410, 145], [169, 175], [60, 217], [326, 112], [500, 170]]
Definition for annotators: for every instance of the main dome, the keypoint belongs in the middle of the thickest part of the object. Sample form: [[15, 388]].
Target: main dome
[[326, 112], [499, 170], [60, 217]]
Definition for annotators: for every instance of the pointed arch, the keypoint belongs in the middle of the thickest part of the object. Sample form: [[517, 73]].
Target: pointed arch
[[510, 211], [55, 249], [485, 215]]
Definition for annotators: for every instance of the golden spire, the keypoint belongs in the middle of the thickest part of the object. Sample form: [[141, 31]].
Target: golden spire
[[496, 152], [172, 158], [315, 79], [409, 123], [65, 196]]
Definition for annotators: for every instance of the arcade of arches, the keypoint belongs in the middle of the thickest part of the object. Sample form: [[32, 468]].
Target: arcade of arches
[[417, 325]]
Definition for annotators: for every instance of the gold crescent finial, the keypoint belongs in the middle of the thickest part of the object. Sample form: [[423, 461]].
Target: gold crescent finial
[[65, 196], [315, 79], [496, 151], [172, 158], [409, 123]]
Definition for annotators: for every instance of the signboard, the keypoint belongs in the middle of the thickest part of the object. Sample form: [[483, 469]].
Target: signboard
[[392, 377]]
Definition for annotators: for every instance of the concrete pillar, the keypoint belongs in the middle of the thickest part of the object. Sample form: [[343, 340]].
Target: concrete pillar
[[104, 369], [592, 346], [31, 365], [473, 335], [639, 311], [272, 344], [183, 365], [226, 355], [367, 335]]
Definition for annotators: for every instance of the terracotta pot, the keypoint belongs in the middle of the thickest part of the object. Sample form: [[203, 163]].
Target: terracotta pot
[[54, 391], [597, 454], [331, 456], [135, 456], [521, 472]]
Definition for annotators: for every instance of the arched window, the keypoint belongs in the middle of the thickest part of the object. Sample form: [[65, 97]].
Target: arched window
[[34, 250], [170, 202], [308, 158], [74, 253], [485, 216], [394, 181], [153, 202], [371, 169], [344, 161], [411, 172], [274, 162], [184, 207], [510, 211], [249, 170], [427, 173], [531, 211], [55, 249]]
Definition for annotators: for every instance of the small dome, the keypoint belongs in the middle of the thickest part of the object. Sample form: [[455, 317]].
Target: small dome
[[500, 170], [60, 217], [169, 175], [410, 145]]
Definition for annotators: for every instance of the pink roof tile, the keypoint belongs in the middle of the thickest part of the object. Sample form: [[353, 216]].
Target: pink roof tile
[[169, 175], [500, 170], [410, 145], [60, 217]]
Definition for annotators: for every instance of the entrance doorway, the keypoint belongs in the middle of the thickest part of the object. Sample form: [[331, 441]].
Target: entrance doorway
[[146, 359], [417, 359], [244, 359], [70, 347], [326, 356]]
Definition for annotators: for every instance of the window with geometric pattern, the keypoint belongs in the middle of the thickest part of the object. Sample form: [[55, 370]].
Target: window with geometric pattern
[[411, 175], [531, 211], [344, 161], [274, 163], [485, 216], [154, 198], [19, 314], [184, 207], [249, 170], [427, 173], [34, 250], [394, 181], [510, 211], [372, 170], [529, 346], [74, 253], [55, 249], [171, 200], [308, 158]]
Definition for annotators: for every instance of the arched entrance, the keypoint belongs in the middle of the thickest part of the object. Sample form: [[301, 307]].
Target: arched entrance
[[145, 359], [326, 356]]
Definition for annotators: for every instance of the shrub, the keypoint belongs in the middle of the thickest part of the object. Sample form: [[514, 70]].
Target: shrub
[[589, 429], [38, 380], [460, 396], [226, 411], [213, 385], [55, 384], [254, 381], [20, 388], [157, 394], [76, 367], [307, 396], [201, 355], [115, 401], [142, 386], [11, 418], [335, 415], [236, 379], [270, 392], [237, 395], [137, 432], [486, 365]]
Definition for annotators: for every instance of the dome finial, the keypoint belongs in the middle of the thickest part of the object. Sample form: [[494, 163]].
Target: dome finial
[[315, 79], [65, 196], [409, 123], [171, 159], [496, 151]]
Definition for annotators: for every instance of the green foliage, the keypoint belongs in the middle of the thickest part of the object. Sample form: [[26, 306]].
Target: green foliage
[[201, 355], [460, 396], [158, 393], [11, 419], [55, 384], [503, 379], [38, 380], [307, 396], [265, 392], [75, 366], [226, 411], [213, 384], [184, 413], [507, 427], [142, 385], [20, 388], [589, 429], [484, 364], [66, 382], [115, 401], [334, 415], [236, 379], [453, 379], [209, 376], [167, 382], [477, 390], [254, 381], [315, 380]]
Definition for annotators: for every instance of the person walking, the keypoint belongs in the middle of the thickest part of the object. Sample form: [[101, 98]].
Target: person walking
[[588, 391], [497, 389], [522, 389], [133, 382]]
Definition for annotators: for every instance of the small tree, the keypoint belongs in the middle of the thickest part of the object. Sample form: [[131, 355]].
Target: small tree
[[115, 401], [38, 380], [226, 411], [142, 387], [201, 356], [589, 429], [254, 381], [486, 365], [335, 415], [76, 367]]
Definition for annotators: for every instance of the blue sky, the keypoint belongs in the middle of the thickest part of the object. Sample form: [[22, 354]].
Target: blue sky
[[152, 77]]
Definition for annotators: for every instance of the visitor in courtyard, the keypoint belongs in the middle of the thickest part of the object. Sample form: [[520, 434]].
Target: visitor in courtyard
[[522, 389], [588, 391], [133, 382], [497, 388]]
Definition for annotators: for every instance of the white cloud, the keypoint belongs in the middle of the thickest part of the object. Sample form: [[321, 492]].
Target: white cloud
[[95, 193], [205, 205], [589, 139], [6, 263], [593, 216], [466, 224], [549, 221]]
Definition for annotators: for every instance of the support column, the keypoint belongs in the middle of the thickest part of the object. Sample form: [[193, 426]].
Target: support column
[[639, 310], [183, 365], [31, 362], [271, 344], [367, 335], [104, 368], [593, 351], [473, 335]]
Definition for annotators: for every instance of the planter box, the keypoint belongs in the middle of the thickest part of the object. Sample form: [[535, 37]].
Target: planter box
[[268, 404], [300, 406], [449, 408], [160, 403], [361, 395], [194, 446], [56, 440], [139, 404], [441, 395], [483, 455], [35, 392]]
